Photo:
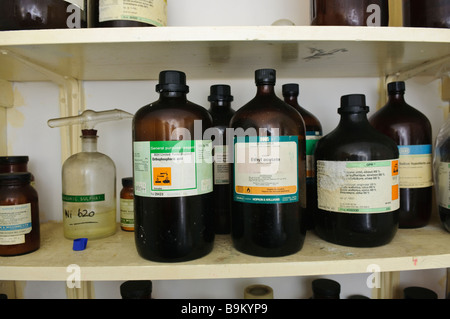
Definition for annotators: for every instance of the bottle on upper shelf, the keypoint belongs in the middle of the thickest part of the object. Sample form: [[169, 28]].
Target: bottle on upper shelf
[[350, 12], [426, 14], [411, 131]]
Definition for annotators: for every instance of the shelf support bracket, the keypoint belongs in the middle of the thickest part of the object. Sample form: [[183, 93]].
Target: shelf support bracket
[[70, 102]]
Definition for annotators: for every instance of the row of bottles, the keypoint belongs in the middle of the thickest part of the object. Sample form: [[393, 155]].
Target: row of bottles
[[55, 14]]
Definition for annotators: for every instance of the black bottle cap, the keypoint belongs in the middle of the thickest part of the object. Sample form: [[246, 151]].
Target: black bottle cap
[[419, 293], [127, 182], [265, 76], [326, 287], [13, 178], [172, 81], [14, 159], [291, 88], [353, 103], [136, 289], [220, 92], [396, 87]]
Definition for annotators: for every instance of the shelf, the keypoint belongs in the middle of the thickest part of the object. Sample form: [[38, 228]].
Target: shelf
[[220, 52], [116, 258]]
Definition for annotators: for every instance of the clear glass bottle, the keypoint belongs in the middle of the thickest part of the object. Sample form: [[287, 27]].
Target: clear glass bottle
[[357, 181], [411, 131], [326, 289], [43, 14], [269, 174], [350, 12], [127, 204], [19, 215], [314, 132], [426, 14], [89, 192], [173, 175], [221, 112], [129, 13]]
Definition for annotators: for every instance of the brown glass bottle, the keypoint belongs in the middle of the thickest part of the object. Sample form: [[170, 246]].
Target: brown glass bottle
[[173, 216], [42, 14], [357, 181], [132, 14], [127, 204], [19, 204], [221, 112], [442, 168], [426, 14], [350, 12], [313, 134], [269, 174], [15, 164], [412, 132]]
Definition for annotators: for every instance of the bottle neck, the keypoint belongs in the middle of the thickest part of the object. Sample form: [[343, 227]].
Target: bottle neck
[[89, 144], [354, 118], [173, 95], [265, 89], [396, 98], [14, 168], [291, 99], [220, 106]]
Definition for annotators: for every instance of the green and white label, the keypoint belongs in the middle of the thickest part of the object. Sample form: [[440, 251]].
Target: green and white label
[[173, 168]]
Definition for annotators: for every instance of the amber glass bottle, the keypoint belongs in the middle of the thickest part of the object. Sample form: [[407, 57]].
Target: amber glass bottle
[[43, 14], [269, 174], [129, 13], [441, 165], [15, 164], [173, 186], [127, 204], [313, 134], [412, 132], [19, 215], [350, 12], [426, 14], [221, 112], [357, 181]]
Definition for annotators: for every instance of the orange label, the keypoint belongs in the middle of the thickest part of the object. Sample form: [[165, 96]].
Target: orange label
[[394, 168], [266, 190], [162, 176], [395, 192]]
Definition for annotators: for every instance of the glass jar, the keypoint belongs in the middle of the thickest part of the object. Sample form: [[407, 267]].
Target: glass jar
[[426, 14], [19, 215], [127, 204], [350, 12], [43, 14]]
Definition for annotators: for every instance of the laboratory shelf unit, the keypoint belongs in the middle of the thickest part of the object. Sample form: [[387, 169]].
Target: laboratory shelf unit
[[68, 57]]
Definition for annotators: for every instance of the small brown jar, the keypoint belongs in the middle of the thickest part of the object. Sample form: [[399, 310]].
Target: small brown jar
[[15, 164], [426, 14], [350, 12], [19, 215], [127, 204]]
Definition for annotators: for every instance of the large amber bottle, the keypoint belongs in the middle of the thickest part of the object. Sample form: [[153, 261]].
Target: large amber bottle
[[269, 175], [357, 181], [426, 14], [221, 112], [172, 175], [441, 165], [313, 134], [411, 131]]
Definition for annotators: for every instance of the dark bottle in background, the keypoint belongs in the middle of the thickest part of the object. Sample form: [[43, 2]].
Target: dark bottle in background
[[411, 131], [441, 164], [126, 204], [313, 134], [350, 12], [220, 109], [15, 164], [326, 289], [43, 14], [269, 174], [419, 293], [129, 13], [136, 289], [357, 180], [426, 14], [172, 175]]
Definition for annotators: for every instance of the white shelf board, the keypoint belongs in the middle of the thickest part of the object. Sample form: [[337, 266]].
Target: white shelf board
[[116, 258], [220, 52]]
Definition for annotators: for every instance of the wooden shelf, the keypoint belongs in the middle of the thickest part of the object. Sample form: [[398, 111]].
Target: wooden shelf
[[220, 52], [116, 258]]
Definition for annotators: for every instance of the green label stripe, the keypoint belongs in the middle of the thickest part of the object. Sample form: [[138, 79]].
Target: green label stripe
[[369, 164], [369, 210], [83, 198], [172, 147]]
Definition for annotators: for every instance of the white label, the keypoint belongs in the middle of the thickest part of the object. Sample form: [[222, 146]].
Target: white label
[[358, 187], [444, 184], [221, 165], [15, 223], [415, 166], [146, 11], [126, 212]]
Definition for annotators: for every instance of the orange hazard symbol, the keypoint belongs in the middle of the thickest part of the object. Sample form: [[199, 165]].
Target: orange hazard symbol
[[162, 176]]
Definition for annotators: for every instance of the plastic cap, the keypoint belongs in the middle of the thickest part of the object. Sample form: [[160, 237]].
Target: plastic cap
[[419, 293], [265, 76], [127, 182], [326, 287], [80, 244], [353, 103], [220, 92], [172, 81], [136, 289], [13, 159], [291, 88], [15, 178], [394, 87]]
